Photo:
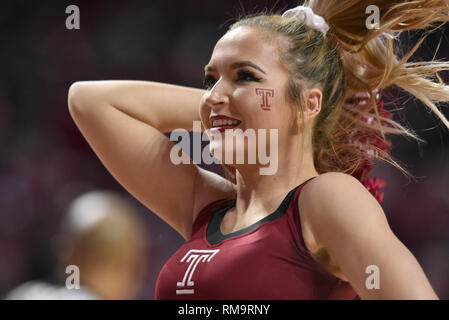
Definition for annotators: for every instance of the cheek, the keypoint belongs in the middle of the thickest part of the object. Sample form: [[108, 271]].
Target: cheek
[[204, 112], [266, 98], [267, 107], [258, 103]]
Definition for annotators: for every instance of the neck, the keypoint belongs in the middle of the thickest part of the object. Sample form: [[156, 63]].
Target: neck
[[261, 193]]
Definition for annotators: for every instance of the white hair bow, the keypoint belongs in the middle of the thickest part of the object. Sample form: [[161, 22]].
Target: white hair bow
[[308, 17]]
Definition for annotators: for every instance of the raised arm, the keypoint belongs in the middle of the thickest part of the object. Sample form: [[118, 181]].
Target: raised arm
[[349, 223], [163, 106], [124, 121]]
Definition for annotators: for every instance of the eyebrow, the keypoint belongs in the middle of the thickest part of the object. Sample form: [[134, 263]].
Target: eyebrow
[[236, 65]]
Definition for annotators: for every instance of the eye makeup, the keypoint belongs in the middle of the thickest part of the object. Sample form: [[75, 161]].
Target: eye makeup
[[242, 75]]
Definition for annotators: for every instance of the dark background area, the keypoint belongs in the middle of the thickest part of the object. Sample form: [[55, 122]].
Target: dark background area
[[45, 162]]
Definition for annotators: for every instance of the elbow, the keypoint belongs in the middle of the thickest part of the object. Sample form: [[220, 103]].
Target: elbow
[[81, 96], [75, 96]]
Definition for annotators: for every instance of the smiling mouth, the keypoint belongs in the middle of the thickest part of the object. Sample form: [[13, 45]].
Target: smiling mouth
[[223, 124]]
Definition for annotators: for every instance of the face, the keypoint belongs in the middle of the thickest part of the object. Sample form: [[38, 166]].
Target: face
[[245, 82]]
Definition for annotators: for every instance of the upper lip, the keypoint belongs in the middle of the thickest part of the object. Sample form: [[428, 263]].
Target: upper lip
[[213, 118]]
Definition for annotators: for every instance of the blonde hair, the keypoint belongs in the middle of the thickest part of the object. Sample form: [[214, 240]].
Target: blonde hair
[[353, 58]]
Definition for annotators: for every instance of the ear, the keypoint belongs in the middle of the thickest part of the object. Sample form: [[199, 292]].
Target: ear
[[313, 100]]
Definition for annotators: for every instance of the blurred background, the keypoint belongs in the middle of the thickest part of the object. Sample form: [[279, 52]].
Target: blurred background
[[45, 162]]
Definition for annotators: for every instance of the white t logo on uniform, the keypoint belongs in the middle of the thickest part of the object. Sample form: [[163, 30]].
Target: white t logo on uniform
[[193, 257]]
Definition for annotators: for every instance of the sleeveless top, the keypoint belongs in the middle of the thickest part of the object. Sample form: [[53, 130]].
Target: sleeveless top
[[267, 260]]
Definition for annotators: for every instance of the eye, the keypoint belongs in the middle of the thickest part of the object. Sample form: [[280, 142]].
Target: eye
[[245, 75], [208, 82]]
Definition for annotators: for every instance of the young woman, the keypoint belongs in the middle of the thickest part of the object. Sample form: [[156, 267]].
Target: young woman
[[313, 229]]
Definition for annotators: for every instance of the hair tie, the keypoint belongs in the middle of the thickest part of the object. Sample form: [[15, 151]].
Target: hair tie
[[306, 16]]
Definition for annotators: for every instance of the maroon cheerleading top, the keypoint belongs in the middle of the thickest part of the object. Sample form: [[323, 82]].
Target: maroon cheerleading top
[[265, 261]]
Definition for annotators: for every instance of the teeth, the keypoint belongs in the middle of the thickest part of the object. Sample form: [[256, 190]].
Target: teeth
[[224, 122]]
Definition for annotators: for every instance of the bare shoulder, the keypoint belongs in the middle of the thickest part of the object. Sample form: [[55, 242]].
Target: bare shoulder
[[334, 186], [314, 193], [210, 187], [337, 196], [331, 201], [349, 228], [324, 186], [331, 180]]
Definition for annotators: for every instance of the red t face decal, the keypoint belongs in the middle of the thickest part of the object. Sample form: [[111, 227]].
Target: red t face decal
[[265, 93]]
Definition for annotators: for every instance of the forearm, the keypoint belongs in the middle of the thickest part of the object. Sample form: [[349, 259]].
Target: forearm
[[163, 106]]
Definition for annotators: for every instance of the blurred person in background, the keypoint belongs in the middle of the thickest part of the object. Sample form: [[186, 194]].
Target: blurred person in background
[[101, 236]]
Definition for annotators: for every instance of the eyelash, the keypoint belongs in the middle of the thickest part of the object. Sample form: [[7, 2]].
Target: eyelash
[[242, 74]]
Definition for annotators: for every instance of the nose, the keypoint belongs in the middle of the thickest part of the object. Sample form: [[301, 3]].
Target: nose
[[217, 96]]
